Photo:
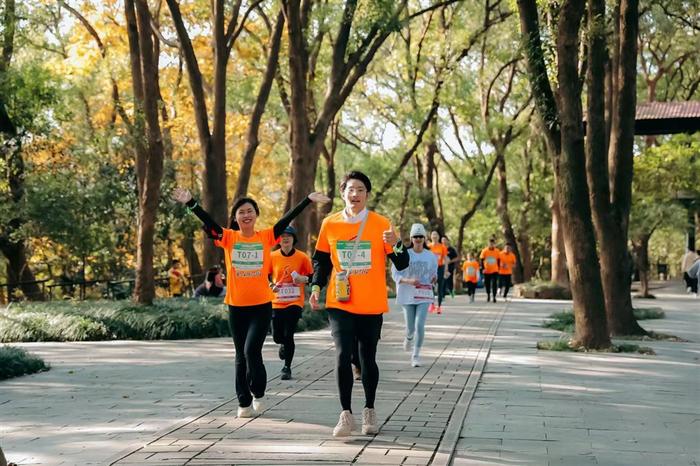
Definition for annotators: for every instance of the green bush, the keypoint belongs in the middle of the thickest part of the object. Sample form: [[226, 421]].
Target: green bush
[[542, 290], [564, 321], [167, 319], [16, 361]]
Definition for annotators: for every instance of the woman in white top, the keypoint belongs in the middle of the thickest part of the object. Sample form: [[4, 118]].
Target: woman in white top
[[414, 290]]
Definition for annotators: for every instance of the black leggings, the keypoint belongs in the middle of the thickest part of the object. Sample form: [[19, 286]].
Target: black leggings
[[441, 284], [346, 328], [471, 288], [505, 283], [249, 325], [491, 284], [284, 324]]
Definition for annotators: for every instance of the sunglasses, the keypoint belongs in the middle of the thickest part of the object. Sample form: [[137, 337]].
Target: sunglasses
[[418, 237]]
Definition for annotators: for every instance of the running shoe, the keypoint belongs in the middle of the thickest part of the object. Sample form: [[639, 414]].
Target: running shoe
[[281, 353], [431, 308], [258, 405], [439, 310], [245, 412], [415, 361], [369, 422], [407, 344], [345, 425], [286, 373]]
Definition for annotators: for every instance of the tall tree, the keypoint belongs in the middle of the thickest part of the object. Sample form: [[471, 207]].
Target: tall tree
[[610, 171], [148, 140], [354, 43], [562, 119], [12, 243]]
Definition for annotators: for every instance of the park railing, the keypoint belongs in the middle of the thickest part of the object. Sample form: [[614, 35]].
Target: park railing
[[68, 289]]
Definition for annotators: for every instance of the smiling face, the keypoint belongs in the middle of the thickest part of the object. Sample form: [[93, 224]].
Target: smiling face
[[435, 237], [355, 195], [246, 216]]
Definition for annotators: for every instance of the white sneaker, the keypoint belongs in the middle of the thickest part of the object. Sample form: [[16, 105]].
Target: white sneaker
[[415, 361], [345, 425], [407, 344], [258, 405], [369, 422], [245, 412]]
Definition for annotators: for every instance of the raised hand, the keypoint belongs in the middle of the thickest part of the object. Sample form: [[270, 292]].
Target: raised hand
[[319, 198], [181, 195], [313, 300], [389, 236]]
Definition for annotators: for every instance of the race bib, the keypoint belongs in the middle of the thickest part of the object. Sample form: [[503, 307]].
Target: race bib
[[247, 256], [363, 256], [288, 292], [423, 293], [491, 260], [471, 271]]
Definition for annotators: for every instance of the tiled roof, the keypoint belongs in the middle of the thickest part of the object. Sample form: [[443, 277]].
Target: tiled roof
[[664, 110]]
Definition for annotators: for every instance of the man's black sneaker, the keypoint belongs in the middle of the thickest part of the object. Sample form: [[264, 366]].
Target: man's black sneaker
[[286, 373]]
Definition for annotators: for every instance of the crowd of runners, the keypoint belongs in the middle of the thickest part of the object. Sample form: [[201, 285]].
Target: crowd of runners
[[350, 259]]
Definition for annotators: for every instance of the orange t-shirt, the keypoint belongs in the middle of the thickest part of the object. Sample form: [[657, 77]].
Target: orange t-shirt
[[440, 250], [289, 293], [368, 274], [506, 263], [490, 257], [470, 270], [248, 266]]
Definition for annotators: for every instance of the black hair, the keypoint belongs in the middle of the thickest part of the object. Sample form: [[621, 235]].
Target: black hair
[[174, 261], [233, 224], [356, 175]]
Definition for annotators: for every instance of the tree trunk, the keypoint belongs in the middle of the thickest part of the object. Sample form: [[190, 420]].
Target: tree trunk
[[506, 223], [570, 176], [426, 168], [609, 174], [560, 273], [193, 264], [149, 155], [641, 254]]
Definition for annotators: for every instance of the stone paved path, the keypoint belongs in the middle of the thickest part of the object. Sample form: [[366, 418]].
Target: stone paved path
[[420, 410], [484, 396]]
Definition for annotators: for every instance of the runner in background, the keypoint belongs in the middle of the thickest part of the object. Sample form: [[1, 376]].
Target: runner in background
[[489, 264], [452, 261], [291, 269], [506, 262], [414, 291], [352, 249], [248, 294], [440, 251], [176, 279], [470, 274]]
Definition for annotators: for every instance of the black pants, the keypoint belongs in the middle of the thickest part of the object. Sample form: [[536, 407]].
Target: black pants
[[505, 283], [249, 325], [691, 283], [346, 328], [441, 283], [284, 324], [491, 284], [449, 283], [471, 288]]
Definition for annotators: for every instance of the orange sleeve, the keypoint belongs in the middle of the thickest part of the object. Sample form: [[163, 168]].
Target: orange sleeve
[[481, 255], [322, 241], [306, 266], [268, 235], [226, 240]]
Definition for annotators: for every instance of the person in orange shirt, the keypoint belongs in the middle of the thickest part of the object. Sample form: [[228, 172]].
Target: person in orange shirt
[[470, 273], [440, 250], [352, 249], [291, 269], [248, 294], [506, 262], [176, 279], [489, 264]]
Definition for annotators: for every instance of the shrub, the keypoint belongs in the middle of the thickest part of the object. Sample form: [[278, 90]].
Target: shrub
[[16, 361]]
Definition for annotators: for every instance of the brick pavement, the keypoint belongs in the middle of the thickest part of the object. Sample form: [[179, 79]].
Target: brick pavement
[[420, 410]]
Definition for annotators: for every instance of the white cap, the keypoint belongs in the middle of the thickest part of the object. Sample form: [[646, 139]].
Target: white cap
[[417, 229]]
